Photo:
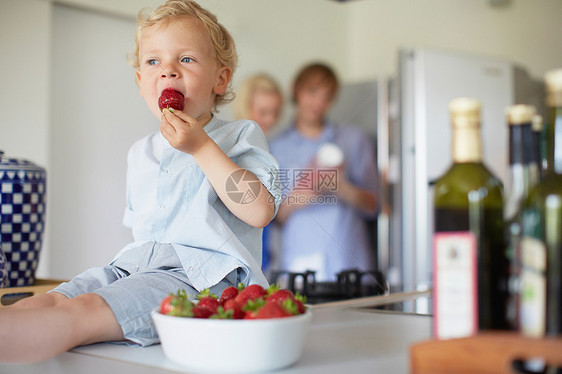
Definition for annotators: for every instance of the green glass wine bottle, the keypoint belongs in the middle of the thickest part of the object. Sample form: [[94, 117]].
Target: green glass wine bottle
[[469, 261], [541, 245], [523, 176]]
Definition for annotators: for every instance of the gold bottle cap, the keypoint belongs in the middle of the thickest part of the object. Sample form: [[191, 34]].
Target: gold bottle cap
[[465, 112], [520, 114], [465, 116], [553, 81], [538, 124]]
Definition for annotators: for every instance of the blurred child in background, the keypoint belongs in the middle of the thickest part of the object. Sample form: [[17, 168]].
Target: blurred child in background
[[260, 99]]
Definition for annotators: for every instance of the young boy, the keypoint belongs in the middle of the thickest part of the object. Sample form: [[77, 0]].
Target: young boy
[[195, 223]]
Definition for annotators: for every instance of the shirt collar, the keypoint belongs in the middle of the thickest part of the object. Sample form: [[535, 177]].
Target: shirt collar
[[212, 124], [328, 133]]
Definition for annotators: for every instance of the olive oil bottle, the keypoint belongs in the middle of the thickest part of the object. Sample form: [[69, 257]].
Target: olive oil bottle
[[469, 265], [541, 245]]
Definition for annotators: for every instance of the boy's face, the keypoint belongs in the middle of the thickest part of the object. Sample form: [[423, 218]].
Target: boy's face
[[180, 55]]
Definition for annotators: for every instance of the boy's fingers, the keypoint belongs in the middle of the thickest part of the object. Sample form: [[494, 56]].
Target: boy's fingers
[[170, 115], [166, 128], [170, 120]]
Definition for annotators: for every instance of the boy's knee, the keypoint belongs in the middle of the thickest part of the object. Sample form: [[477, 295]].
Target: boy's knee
[[86, 303], [93, 317]]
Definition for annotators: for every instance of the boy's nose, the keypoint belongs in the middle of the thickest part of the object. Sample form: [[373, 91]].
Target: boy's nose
[[166, 74], [169, 72]]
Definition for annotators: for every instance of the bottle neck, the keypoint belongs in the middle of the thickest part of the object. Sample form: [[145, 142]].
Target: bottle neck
[[554, 141], [522, 167], [518, 189], [537, 156], [467, 146], [520, 144]]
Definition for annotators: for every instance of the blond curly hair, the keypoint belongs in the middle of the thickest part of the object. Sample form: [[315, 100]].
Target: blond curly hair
[[260, 82], [172, 10]]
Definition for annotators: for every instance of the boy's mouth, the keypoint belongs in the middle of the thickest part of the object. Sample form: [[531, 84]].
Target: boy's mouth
[[171, 98]]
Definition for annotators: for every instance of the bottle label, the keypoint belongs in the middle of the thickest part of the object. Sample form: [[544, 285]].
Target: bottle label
[[455, 285], [533, 287]]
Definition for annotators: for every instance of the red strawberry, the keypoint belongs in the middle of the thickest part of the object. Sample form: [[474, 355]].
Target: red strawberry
[[251, 292], [201, 312], [300, 300], [295, 305], [228, 293], [166, 305], [171, 98], [252, 306], [176, 305], [280, 295], [300, 306], [208, 300], [222, 314], [237, 312], [272, 310], [210, 303]]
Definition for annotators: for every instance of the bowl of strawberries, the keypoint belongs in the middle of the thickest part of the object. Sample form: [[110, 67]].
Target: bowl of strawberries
[[246, 329]]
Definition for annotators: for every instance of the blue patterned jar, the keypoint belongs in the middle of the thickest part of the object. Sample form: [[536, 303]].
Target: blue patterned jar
[[22, 217], [3, 270]]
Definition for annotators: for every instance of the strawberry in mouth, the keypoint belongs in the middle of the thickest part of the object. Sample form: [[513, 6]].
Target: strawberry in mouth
[[171, 98]]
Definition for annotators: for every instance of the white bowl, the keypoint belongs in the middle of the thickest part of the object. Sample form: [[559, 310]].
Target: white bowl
[[206, 345]]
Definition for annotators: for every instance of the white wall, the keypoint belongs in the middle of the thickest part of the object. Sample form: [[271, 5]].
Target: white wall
[[97, 114], [24, 78], [25, 66], [528, 32], [360, 39]]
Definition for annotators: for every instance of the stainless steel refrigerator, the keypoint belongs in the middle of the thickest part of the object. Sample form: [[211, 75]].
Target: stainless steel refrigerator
[[414, 145]]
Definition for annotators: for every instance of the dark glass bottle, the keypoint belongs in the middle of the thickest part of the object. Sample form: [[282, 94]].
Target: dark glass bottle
[[469, 247], [523, 175], [541, 245], [538, 145]]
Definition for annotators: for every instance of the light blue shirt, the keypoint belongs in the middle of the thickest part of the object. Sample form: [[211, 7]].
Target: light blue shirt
[[325, 236], [169, 200]]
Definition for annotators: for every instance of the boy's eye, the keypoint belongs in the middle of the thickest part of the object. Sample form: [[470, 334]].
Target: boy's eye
[[152, 61], [186, 59]]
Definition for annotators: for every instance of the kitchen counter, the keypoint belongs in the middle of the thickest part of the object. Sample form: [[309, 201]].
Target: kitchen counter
[[349, 336]]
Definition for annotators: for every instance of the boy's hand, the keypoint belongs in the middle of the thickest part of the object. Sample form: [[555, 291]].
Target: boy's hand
[[187, 134], [183, 132]]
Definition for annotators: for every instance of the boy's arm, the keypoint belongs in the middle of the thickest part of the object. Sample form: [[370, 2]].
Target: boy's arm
[[185, 134], [218, 167]]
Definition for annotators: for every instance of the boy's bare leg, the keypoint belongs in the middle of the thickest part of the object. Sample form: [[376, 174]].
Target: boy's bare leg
[[38, 333], [39, 300]]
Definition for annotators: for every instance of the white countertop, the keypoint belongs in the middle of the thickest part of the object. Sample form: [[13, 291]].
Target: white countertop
[[341, 339]]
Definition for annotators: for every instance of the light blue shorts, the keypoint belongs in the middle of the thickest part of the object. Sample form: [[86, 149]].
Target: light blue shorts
[[135, 284]]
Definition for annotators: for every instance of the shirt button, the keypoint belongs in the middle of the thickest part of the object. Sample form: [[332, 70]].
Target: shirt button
[[191, 268], [162, 206]]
